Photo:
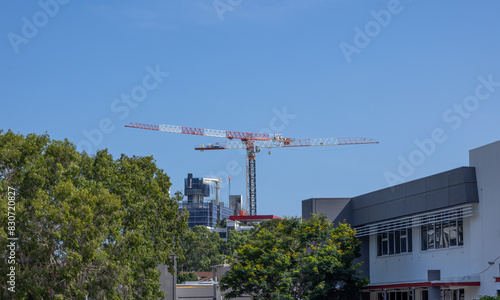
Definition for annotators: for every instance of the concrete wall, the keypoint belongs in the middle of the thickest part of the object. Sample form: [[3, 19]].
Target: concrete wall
[[168, 281], [335, 209], [485, 225], [412, 267]]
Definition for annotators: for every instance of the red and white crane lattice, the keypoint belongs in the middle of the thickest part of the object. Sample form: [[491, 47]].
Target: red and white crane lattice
[[252, 142]]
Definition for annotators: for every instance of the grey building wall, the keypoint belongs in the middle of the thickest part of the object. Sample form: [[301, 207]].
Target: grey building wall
[[485, 224], [168, 282], [450, 188], [335, 209], [365, 256]]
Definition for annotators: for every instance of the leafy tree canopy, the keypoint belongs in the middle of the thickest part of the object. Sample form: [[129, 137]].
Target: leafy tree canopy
[[203, 250], [188, 276], [297, 259], [87, 224], [235, 240], [489, 297]]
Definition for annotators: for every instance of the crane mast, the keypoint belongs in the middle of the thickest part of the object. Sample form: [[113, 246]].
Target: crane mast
[[252, 142], [251, 178]]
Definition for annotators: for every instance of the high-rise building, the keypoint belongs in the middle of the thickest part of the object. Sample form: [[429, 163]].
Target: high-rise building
[[195, 189], [201, 212], [235, 202]]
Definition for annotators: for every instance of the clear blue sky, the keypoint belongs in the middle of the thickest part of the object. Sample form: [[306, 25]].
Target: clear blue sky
[[394, 71]]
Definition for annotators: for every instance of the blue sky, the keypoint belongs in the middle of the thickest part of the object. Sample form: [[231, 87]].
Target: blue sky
[[422, 77]]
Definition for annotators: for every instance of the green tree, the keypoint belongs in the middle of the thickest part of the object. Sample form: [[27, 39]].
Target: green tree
[[203, 250], [297, 259], [87, 225], [235, 240], [221, 223], [186, 276], [489, 298]]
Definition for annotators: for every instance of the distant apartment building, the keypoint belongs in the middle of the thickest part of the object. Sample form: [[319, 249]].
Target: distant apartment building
[[433, 238], [201, 212]]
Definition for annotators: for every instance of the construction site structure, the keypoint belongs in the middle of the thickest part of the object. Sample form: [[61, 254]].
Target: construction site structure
[[196, 189], [236, 203], [217, 182], [201, 212], [252, 142]]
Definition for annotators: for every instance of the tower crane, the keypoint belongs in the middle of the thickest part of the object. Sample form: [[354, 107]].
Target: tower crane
[[252, 142]]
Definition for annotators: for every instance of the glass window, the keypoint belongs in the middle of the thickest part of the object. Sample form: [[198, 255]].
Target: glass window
[[397, 237], [394, 242], [460, 232], [424, 238], [425, 295], [438, 234], [394, 295], [391, 242], [410, 243], [449, 294], [379, 244], [385, 243], [443, 234], [453, 233], [430, 236], [446, 234]]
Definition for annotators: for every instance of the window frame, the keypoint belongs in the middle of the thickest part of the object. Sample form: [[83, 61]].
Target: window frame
[[390, 242], [443, 234]]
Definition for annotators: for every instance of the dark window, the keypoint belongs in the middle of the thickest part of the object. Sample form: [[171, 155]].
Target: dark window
[[398, 240], [425, 295], [379, 244], [410, 243], [394, 295], [385, 244], [394, 242], [391, 242]]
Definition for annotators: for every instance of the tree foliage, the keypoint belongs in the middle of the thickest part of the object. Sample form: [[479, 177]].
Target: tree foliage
[[203, 250], [187, 276], [489, 297], [87, 225], [235, 240], [296, 259]]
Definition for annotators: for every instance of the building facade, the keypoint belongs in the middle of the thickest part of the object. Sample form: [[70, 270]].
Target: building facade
[[201, 212], [433, 238]]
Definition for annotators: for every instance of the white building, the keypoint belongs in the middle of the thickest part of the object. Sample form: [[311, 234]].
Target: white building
[[433, 238]]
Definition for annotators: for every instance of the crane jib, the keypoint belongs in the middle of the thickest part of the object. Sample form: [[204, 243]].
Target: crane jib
[[251, 142]]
